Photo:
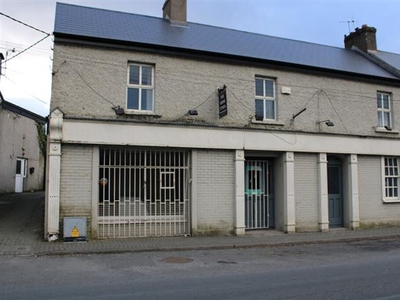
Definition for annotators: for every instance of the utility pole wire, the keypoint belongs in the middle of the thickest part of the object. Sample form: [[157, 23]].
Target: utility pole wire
[[7, 16], [44, 102], [33, 45]]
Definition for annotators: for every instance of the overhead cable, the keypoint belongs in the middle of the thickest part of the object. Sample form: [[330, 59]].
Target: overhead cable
[[26, 49], [27, 25]]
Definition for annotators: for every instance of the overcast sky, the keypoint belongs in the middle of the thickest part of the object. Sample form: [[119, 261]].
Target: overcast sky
[[26, 81]]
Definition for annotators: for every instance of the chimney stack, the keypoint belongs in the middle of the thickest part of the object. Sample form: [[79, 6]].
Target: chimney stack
[[175, 11], [363, 38]]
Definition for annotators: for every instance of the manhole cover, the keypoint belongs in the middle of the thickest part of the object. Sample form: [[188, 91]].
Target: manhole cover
[[177, 260]]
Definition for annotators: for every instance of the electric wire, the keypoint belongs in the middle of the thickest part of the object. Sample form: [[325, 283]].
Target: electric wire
[[44, 102], [27, 25], [92, 89], [199, 76], [26, 49], [340, 118]]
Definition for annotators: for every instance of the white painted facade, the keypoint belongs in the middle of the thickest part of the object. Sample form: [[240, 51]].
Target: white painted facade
[[19, 146], [89, 81]]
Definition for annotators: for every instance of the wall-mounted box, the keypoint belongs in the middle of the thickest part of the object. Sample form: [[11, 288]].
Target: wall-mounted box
[[75, 229], [286, 90]]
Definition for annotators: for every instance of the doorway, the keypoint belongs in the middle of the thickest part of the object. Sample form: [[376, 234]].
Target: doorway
[[259, 195], [335, 192], [20, 174]]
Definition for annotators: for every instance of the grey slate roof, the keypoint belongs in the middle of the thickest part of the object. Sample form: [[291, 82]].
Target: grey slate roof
[[391, 59], [21, 111], [85, 22]]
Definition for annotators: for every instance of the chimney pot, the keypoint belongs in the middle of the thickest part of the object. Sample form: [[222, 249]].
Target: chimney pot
[[175, 11]]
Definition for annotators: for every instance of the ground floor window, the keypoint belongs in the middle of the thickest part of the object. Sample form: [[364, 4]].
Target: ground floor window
[[390, 178], [144, 191]]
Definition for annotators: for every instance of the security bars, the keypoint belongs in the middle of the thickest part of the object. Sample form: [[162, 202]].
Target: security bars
[[143, 193]]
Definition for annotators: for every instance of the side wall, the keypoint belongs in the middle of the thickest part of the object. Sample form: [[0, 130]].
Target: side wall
[[76, 182], [306, 191], [19, 139], [215, 192], [373, 212]]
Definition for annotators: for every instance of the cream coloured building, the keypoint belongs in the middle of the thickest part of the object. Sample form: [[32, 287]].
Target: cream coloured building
[[21, 160], [162, 127]]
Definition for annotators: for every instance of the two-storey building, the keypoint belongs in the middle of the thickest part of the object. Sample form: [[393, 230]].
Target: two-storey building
[[163, 127]]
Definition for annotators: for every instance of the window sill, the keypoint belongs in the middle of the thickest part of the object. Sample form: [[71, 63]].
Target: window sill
[[268, 122], [391, 200], [141, 113], [384, 130]]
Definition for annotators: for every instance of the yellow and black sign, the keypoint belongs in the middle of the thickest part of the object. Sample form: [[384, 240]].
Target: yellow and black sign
[[75, 232]]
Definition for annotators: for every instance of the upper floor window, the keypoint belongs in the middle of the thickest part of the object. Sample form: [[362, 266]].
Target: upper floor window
[[390, 178], [265, 99], [384, 110], [140, 94]]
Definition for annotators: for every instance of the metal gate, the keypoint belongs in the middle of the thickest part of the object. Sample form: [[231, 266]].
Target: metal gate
[[143, 193], [259, 200]]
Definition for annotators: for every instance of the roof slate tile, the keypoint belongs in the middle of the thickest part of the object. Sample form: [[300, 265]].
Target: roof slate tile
[[109, 25]]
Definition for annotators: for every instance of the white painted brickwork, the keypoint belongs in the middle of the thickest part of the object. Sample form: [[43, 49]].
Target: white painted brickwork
[[181, 84], [76, 182], [215, 191], [306, 191], [373, 212]]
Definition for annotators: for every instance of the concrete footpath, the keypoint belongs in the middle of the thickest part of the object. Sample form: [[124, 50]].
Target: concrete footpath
[[21, 233]]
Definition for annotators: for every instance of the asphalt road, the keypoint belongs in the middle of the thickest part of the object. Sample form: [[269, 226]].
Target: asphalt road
[[359, 270]]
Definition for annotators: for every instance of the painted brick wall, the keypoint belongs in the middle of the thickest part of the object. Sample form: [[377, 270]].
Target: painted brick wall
[[76, 182], [306, 191], [84, 73], [373, 212], [19, 139], [215, 191]]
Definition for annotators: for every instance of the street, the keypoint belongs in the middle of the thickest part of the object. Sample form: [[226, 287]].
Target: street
[[357, 270]]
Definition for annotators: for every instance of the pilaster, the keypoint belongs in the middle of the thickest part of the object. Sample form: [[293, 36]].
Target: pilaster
[[239, 192], [353, 207], [53, 177], [289, 196], [323, 213]]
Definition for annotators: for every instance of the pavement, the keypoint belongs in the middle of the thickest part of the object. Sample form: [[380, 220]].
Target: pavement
[[21, 234]]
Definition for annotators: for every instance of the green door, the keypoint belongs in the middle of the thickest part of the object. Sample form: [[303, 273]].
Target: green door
[[335, 198]]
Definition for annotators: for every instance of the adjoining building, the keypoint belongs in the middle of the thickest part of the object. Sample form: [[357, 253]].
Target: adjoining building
[[21, 160]]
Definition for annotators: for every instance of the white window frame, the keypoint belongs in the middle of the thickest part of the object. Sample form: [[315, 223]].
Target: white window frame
[[140, 87], [163, 180], [266, 98], [390, 163], [381, 111]]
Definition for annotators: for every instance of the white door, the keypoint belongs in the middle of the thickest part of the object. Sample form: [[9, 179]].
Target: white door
[[20, 174]]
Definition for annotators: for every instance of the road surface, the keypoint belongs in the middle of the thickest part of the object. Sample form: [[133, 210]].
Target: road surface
[[358, 270]]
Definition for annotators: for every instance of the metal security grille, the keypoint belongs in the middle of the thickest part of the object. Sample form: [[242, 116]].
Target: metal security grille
[[143, 193], [259, 201]]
